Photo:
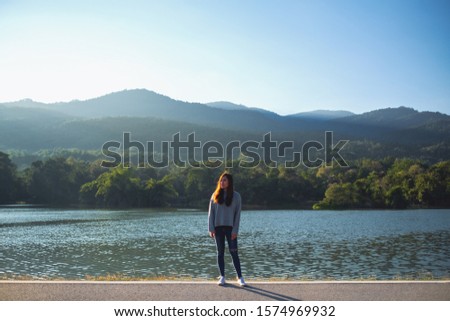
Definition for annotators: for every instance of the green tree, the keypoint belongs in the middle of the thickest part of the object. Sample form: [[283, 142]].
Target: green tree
[[395, 198], [115, 188], [160, 192], [9, 183], [374, 189], [433, 186], [198, 185], [56, 181], [339, 196]]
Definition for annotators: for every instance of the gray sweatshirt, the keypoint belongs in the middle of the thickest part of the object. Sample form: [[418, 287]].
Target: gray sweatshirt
[[223, 215]]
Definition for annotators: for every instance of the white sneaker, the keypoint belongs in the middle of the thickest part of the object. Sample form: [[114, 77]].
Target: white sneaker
[[241, 281], [221, 281]]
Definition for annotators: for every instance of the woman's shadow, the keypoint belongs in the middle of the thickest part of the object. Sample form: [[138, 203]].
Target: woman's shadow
[[265, 293]]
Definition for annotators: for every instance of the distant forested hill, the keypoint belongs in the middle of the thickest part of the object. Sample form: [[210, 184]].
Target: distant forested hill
[[399, 132]]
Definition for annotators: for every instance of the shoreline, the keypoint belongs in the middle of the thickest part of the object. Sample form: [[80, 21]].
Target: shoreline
[[446, 281], [165, 279], [197, 209], [248, 207]]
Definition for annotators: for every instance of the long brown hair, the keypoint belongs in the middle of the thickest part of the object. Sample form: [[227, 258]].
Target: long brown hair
[[218, 195]]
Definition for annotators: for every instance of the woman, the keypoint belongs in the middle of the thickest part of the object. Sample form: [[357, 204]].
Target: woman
[[223, 222]]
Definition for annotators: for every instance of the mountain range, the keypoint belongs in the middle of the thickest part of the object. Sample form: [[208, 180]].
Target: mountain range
[[29, 126]]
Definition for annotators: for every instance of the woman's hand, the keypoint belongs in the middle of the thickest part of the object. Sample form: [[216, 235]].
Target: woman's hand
[[233, 236], [212, 234]]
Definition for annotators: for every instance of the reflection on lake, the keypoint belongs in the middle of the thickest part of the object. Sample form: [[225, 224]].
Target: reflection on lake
[[294, 244]]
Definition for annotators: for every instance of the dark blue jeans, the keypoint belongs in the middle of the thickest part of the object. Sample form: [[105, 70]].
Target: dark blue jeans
[[223, 232]]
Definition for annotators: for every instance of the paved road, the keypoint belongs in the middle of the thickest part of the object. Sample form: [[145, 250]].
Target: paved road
[[208, 291]]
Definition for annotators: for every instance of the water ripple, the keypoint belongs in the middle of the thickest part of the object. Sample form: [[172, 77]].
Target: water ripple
[[291, 244]]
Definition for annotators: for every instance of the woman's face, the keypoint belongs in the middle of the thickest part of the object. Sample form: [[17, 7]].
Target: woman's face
[[224, 182]]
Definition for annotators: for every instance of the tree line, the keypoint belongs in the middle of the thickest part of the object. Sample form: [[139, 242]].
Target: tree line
[[366, 183]]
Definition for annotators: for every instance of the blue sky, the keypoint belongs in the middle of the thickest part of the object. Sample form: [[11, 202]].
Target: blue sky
[[285, 56]]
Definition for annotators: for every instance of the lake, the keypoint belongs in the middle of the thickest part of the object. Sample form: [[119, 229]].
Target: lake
[[294, 244]]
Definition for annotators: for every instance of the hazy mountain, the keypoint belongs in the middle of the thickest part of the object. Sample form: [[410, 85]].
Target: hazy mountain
[[35, 116], [44, 130], [27, 128], [227, 105], [28, 103], [144, 103], [152, 117], [231, 106], [130, 103], [323, 114], [400, 117]]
